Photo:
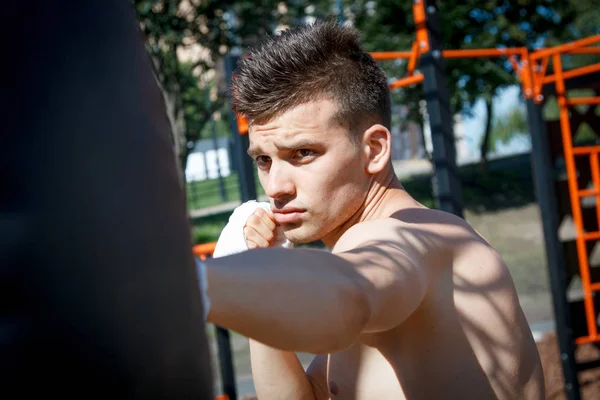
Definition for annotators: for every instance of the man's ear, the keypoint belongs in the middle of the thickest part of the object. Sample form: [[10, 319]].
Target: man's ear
[[377, 144]]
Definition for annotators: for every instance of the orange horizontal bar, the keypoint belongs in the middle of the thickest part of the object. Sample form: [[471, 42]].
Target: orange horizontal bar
[[389, 55], [583, 100], [587, 339], [595, 286], [574, 73], [565, 48], [409, 80], [586, 50], [586, 150], [467, 53], [587, 192], [203, 250], [591, 236], [582, 50]]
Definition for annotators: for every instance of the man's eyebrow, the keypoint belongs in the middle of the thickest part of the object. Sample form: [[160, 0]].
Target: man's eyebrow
[[254, 151], [298, 144]]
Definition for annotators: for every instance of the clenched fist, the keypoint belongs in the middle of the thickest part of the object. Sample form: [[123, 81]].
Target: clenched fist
[[261, 230]]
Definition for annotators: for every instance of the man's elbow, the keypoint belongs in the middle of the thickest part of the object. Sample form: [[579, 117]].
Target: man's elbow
[[351, 314]]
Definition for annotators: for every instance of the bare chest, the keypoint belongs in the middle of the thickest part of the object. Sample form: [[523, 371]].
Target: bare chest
[[362, 373]]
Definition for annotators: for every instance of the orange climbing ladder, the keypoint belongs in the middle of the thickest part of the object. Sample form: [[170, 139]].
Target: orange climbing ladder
[[575, 192]]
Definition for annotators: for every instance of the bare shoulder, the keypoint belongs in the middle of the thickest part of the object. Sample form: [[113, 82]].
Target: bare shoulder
[[421, 230]]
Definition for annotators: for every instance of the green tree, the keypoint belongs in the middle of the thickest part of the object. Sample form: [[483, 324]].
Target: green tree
[[186, 40], [172, 27], [507, 126]]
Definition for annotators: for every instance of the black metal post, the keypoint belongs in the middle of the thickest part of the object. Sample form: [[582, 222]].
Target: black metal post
[[244, 163], [226, 363], [446, 181], [545, 188], [222, 190]]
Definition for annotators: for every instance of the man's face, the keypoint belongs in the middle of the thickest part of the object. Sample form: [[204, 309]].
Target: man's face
[[312, 171]]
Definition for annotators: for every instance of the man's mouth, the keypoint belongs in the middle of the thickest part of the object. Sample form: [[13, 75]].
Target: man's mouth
[[288, 215]]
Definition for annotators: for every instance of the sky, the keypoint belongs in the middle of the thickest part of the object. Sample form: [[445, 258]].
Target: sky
[[472, 128]]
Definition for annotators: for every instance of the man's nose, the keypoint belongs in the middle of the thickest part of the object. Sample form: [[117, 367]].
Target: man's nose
[[279, 183]]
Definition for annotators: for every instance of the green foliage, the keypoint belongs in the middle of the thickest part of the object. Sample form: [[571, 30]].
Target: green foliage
[[507, 126], [223, 25]]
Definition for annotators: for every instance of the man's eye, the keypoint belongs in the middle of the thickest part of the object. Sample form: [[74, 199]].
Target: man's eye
[[262, 161], [303, 153]]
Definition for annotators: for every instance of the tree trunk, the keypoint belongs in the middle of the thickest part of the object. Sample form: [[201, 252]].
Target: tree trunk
[[176, 116], [488, 131]]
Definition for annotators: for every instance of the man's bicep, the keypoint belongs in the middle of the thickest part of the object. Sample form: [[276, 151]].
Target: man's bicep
[[394, 283]]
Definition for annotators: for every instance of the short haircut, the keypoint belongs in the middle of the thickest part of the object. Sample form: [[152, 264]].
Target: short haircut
[[312, 62]]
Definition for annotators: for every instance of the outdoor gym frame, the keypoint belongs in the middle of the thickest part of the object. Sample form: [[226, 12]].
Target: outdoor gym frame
[[530, 67]]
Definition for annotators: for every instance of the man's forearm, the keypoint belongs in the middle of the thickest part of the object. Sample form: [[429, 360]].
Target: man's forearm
[[296, 300], [278, 374]]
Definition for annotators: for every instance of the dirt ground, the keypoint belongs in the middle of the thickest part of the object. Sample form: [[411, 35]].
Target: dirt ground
[[589, 380]]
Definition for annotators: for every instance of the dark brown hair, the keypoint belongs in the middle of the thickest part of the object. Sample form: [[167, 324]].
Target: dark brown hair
[[312, 62]]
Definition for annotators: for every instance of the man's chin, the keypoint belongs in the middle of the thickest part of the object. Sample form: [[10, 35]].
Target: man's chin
[[296, 236]]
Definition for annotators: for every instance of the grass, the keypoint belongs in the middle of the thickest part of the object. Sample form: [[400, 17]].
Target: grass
[[207, 193], [208, 229]]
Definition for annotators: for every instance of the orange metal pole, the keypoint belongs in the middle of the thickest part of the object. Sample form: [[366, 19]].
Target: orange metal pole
[[419, 17], [588, 69], [586, 149], [595, 165], [204, 250], [565, 48], [468, 53], [412, 62], [409, 80], [585, 340], [528, 76], [538, 76], [583, 100], [586, 50], [587, 192], [390, 55], [567, 139], [242, 124], [592, 236]]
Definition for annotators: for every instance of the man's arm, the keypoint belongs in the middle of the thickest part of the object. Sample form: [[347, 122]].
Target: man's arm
[[315, 301], [278, 374]]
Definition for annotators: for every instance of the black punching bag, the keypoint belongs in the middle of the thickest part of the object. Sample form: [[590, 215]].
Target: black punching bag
[[98, 290]]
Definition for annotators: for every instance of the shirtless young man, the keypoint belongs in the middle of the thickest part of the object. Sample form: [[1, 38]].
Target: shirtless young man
[[410, 302]]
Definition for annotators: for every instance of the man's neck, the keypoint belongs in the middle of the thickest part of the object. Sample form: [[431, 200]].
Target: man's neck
[[384, 197]]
